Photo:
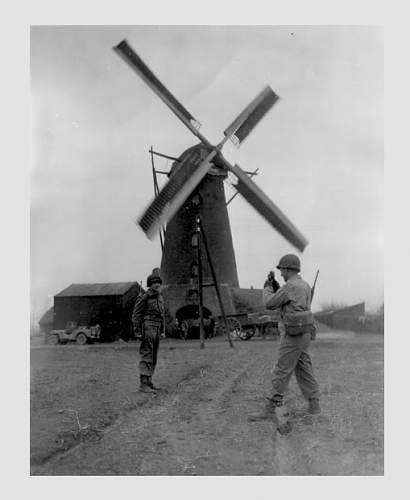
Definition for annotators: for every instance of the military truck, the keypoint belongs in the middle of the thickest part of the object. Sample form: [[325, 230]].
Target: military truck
[[74, 333]]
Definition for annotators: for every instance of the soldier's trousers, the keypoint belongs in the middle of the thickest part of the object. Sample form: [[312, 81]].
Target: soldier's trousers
[[293, 357], [149, 348]]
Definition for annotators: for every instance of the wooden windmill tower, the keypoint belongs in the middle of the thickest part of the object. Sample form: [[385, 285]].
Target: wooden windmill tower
[[195, 187]]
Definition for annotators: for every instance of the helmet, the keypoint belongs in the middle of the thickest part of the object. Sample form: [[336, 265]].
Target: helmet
[[289, 261], [156, 272], [153, 278]]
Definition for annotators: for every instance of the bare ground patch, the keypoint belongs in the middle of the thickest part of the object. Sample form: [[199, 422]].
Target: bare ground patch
[[87, 417]]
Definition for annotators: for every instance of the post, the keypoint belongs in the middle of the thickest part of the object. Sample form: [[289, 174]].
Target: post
[[163, 156], [200, 294], [218, 293], [156, 190]]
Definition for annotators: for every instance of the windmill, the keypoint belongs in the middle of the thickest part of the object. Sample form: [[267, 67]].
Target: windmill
[[195, 187]]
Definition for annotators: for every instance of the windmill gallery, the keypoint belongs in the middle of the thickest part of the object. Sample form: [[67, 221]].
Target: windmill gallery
[[198, 266]]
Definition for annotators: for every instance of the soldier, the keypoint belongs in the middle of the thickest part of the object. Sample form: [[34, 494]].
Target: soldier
[[296, 329], [147, 319]]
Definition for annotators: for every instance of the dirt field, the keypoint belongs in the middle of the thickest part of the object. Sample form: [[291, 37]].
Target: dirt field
[[88, 418]]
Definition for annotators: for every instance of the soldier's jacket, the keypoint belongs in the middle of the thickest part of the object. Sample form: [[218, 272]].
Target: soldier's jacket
[[294, 296], [148, 307]]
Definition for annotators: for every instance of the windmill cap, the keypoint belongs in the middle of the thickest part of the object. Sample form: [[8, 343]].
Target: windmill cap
[[289, 261]]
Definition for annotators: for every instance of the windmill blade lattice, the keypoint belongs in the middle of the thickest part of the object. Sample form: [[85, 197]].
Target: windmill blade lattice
[[267, 209], [175, 192], [126, 52], [191, 172], [243, 125]]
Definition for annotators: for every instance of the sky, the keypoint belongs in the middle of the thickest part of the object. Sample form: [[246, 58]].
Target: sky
[[319, 151]]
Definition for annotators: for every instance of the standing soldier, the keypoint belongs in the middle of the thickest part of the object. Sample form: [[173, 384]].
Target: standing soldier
[[147, 319], [296, 329]]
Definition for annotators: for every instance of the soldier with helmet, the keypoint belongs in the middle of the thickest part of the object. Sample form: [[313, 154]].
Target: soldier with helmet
[[147, 319], [296, 329]]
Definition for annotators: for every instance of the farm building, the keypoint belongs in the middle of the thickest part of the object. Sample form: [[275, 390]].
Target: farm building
[[109, 305], [250, 300], [347, 318]]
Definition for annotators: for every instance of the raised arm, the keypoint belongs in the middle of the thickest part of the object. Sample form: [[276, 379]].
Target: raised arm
[[274, 300]]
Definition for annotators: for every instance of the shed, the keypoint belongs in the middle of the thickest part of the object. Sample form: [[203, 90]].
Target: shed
[[108, 304], [346, 318], [248, 300]]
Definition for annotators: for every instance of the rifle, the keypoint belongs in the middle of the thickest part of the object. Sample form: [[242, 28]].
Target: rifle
[[314, 286], [312, 293]]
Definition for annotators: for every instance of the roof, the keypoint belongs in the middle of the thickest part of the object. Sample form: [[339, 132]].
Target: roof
[[250, 300], [355, 310], [96, 289], [48, 317]]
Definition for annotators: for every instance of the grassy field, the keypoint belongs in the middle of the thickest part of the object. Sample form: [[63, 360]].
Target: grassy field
[[88, 418]]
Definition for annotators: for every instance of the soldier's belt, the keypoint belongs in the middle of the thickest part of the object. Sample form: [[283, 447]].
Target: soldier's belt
[[299, 323]]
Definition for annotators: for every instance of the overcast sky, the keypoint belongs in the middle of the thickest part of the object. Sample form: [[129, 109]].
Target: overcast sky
[[319, 151]]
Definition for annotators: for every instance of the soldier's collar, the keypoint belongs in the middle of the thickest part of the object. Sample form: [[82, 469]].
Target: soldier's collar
[[295, 277]]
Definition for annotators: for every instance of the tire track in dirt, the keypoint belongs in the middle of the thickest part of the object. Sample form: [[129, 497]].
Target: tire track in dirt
[[90, 436], [278, 450], [212, 443], [310, 446], [290, 453], [176, 433], [200, 427]]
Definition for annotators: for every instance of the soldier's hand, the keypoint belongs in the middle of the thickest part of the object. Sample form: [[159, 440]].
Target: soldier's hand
[[271, 281], [271, 276]]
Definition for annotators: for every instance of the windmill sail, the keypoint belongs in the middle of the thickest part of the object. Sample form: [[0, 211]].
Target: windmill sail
[[194, 168], [126, 52], [243, 125], [258, 199], [181, 184]]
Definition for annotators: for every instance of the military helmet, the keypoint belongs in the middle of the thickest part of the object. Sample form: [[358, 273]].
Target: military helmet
[[156, 272], [289, 261], [154, 277]]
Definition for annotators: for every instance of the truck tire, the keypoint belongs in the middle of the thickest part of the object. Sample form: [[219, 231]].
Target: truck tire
[[81, 338], [235, 328], [234, 325], [247, 333], [53, 339]]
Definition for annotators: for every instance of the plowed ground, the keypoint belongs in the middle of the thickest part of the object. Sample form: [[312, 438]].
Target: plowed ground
[[88, 418]]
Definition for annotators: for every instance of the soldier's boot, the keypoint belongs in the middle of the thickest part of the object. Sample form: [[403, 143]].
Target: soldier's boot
[[144, 384], [152, 385], [268, 413], [314, 407]]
